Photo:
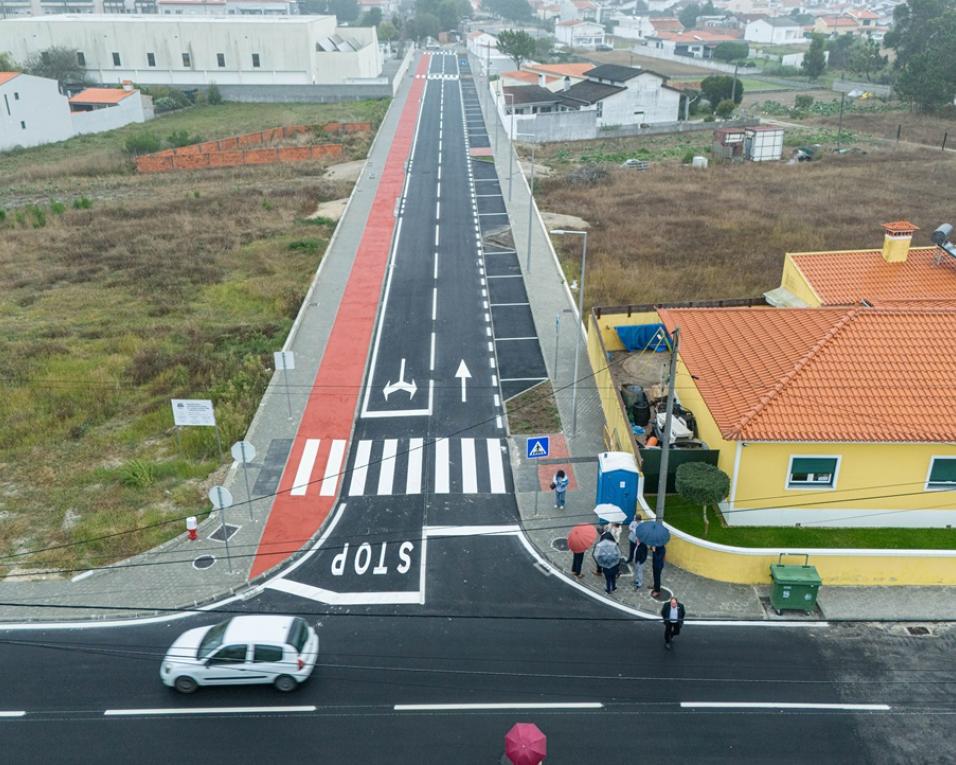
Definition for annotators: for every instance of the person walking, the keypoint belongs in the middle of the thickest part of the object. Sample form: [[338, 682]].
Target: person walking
[[603, 534], [608, 556], [673, 615], [640, 555], [632, 539], [560, 487], [657, 566]]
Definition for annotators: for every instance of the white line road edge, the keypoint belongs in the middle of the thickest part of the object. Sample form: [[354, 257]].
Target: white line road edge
[[205, 711], [505, 705], [19, 713], [783, 705]]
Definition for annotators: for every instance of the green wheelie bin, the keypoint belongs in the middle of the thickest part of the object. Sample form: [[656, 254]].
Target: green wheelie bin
[[794, 588]]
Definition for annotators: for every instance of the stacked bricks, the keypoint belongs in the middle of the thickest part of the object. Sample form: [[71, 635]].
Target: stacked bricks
[[237, 150]]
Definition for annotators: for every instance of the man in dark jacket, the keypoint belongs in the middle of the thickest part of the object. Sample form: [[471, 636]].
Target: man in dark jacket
[[673, 615], [657, 566]]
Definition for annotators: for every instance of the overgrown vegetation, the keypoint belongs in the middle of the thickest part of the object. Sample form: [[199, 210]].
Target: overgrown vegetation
[[534, 411]]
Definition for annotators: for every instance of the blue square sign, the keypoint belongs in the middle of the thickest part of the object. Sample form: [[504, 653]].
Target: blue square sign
[[538, 447]]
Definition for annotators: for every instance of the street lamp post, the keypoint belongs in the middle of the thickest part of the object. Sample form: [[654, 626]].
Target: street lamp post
[[530, 199], [577, 333], [511, 152]]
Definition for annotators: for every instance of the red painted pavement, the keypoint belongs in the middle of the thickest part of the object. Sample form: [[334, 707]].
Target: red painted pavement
[[331, 407], [558, 448]]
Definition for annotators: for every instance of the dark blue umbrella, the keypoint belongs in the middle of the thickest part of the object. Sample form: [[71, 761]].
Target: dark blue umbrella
[[653, 533]]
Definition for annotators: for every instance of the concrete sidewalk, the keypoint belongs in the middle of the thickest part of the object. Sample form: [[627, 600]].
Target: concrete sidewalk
[[548, 527], [171, 576]]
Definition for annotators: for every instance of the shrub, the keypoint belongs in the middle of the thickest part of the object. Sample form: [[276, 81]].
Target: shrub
[[142, 143], [725, 108], [587, 175], [82, 203], [138, 474], [304, 245], [701, 484], [803, 102], [732, 50], [3, 215], [37, 216], [688, 156], [57, 208], [213, 96], [182, 138]]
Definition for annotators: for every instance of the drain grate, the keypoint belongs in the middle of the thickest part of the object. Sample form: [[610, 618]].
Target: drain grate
[[204, 562], [918, 631], [559, 543], [224, 532]]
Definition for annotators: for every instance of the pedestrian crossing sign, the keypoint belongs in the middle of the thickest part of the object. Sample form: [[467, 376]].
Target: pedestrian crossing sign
[[538, 447]]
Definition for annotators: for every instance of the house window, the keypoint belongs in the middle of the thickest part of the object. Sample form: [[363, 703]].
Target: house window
[[255, 60], [812, 472], [221, 59], [23, 125], [116, 59], [942, 473], [16, 95], [186, 61], [151, 59], [80, 58], [600, 110]]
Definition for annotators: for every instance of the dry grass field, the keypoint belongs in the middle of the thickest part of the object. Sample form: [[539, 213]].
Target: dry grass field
[[127, 291], [675, 233]]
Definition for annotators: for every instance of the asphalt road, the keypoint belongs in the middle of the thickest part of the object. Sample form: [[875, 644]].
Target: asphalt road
[[425, 594]]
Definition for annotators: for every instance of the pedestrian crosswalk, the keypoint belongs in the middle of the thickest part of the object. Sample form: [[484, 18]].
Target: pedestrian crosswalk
[[403, 466]]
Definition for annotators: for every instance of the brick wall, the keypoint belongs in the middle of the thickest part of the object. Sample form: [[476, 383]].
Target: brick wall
[[247, 149]]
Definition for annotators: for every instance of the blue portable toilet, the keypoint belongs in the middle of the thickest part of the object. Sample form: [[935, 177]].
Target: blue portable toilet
[[617, 481]]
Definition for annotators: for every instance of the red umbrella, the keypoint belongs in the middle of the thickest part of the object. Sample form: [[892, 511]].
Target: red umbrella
[[525, 744], [581, 537]]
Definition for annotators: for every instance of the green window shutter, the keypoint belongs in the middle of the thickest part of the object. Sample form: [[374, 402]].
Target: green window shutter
[[817, 465], [944, 470]]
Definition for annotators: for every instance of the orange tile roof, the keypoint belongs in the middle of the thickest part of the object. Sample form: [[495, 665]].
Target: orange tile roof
[[699, 35], [561, 70], [823, 374], [100, 96], [531, 77], [846, 278], [7, 76]]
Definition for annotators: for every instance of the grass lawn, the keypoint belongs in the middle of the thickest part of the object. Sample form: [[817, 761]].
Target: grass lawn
[[689, 518], [755, 85], [534, 411], [149, 288]]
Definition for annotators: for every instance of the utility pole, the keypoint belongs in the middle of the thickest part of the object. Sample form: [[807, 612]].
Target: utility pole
[[668, 419], [733, 86]]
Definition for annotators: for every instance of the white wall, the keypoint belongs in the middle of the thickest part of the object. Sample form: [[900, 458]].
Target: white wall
[[130, 109], [32, 112], [634, 27], [644, 102], [760, 31], [285, 46]]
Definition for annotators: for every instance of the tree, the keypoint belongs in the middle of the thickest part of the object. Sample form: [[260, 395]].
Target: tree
[[814, 60], [688, 15], [514, 10], [838, 49], [732, 50], [387, 31], [702, 484], [7, 64], [424, 25], [372, 17], [519, 46], [60, 64], [213, 97], [923, 36], [720, 87], [543, 47], [725, 108], [865, 58]]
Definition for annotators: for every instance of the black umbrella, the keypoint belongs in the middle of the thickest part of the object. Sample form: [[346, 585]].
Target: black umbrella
[[652, 533]]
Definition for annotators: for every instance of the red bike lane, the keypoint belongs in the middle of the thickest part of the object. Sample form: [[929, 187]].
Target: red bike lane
[[326, 423]]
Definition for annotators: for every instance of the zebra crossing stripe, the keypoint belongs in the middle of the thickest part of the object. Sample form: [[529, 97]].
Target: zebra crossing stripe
[[332, 468], [469, 473], [304, 472], [362, 454], [442, 483], [413, 483], [386, 475], [496, 469]]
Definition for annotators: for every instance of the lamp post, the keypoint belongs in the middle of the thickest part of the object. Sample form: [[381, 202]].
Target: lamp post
[[530, 199], [577, 334], [668, 421], [511, 138]]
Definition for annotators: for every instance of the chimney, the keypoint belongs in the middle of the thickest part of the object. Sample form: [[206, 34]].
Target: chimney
[[897, 238], [541, 80], [567, 82], [128, 85]]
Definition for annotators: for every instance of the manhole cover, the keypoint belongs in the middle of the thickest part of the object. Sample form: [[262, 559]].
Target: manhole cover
[[918, 631], [223, 533], [204, 561], [560, 543]]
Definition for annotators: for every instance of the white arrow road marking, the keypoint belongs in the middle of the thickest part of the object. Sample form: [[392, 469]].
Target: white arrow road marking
[[463, 374], [409, 387]]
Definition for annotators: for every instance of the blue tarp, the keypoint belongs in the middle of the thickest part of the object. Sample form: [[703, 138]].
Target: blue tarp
[[644, 337]]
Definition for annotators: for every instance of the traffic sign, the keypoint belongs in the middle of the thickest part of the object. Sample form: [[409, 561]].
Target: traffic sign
[[243, 452], [220, 497], [538, 447]]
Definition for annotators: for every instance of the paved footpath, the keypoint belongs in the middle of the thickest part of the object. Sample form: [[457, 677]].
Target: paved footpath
[[171, 576], [548, 528]]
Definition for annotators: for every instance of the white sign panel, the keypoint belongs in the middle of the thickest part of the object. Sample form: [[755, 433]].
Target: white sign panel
[[243, 451], [284, 360], [193, 411]]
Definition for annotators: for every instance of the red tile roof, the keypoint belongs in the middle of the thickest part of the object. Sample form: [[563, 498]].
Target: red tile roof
[[561, 70], [846, 278], [100, 96], [7, 76], [823, 374]]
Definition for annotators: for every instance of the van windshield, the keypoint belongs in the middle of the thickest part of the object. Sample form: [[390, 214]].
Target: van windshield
[[212, 640], [298, 634]]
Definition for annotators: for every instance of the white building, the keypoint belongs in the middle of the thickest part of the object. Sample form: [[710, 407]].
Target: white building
[[634, 27], [623, 95], [95, 110], [778, 31], [227, 7], [579, 34], [197, 50], [32, 111]]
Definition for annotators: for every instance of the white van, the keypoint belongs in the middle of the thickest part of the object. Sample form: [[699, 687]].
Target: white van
[[244, 650]]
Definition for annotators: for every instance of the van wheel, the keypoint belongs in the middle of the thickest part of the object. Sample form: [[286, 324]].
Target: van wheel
[[185, 684], [285, 683]]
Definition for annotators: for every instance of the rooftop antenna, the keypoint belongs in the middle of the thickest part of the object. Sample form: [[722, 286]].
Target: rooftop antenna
[[941, 239]]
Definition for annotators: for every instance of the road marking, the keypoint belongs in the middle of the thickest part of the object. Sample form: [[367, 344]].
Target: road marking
[[435, 269], [206, 711], [11, 713], [437, 210], [469, 469], [491, 363], [304, 472], [333, 468], [436, 234], [360, 469], [441, 466], [497, 400], [386, 474], [413, 482], [507, 305], [496, 469], [782, 705], [438, 189], [498, 423], [505, 705], [506, 276], [434, 302], [431, 355], [321, 595], [522, 379], [503, 339]]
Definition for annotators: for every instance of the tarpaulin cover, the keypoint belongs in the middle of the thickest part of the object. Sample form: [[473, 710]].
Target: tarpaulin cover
[[644, 337]]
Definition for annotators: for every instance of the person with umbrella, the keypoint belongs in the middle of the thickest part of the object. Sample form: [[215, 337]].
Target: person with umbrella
[[655, 535], [580, 539], [608, 557], [657, 567]]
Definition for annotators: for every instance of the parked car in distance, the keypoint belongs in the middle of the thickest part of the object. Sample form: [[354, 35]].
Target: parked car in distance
[[243, 650]]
